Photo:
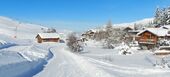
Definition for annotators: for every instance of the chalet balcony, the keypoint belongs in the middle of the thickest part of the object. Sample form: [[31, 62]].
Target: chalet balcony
[[147, 41]]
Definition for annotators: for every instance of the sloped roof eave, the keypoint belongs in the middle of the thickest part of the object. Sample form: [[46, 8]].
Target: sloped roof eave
[[48, 35], [148, 31]]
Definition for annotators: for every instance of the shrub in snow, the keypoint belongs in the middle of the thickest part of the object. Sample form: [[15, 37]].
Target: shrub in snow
[[134, 44], [110, 35], [162, 64], [74, 43], [109, 44], [164, 42], [125, 49]]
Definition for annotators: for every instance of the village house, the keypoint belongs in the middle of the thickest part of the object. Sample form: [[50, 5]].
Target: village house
[[130, 33], [47, 37], [88, 34], [150, 37]]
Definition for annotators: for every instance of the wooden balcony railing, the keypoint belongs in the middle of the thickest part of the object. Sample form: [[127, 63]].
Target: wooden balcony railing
[[149, 41]]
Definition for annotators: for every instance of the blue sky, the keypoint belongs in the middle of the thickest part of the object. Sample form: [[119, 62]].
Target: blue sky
[[79, 14]]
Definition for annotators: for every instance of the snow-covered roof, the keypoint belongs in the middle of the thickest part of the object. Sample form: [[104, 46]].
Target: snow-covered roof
[[132, 27], [156, 31], [162, 51], [166, 26], [49, 35]]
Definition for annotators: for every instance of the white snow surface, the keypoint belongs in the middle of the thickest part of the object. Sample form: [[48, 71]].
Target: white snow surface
[[68, 64], [24, 30], [98, 62]]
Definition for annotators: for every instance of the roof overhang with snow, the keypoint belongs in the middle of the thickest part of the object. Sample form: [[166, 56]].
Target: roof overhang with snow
[[48, 35], [160, 32], [166, 26]]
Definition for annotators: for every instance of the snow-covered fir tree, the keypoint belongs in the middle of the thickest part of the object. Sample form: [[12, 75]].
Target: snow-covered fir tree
[[162, 16]]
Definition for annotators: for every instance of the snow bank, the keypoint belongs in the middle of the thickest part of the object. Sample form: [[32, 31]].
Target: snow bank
[[24, 61], [4, 44]]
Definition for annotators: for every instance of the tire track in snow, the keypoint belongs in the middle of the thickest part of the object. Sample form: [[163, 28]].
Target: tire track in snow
[[126, 70], [87, 67], [67, 64]]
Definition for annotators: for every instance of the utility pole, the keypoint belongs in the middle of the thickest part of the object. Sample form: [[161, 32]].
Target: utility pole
[[16, 30]]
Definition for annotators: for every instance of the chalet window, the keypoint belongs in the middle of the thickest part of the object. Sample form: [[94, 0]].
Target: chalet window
[[149, 36]]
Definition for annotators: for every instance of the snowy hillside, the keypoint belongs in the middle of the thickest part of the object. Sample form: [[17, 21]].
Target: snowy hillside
[[21, 57], [25, 58], [141, 22], [8, 27]]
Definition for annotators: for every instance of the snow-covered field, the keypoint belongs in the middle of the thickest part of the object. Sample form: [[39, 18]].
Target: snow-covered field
[[23, 57], [97, 62], [23, 60]]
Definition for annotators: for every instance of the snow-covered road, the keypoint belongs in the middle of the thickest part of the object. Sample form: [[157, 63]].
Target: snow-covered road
[[67, 64]]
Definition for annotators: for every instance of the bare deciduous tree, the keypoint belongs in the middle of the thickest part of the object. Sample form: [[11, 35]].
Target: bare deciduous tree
[[74, 43]]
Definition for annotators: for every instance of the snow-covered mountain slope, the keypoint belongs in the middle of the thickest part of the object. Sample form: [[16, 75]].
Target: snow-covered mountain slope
[[23, 30], [21, 57], [141, 22], [144, 22]]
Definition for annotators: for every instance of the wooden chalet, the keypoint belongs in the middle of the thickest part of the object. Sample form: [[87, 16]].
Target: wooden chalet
[[150, 37], [89, 34], [47, 37], [127, 29]]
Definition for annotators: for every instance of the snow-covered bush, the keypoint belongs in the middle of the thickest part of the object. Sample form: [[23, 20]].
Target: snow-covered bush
[[74, 43], [125, 49], [164, 42], [109, 43], [162, 64], [110, 35], [134, 44]]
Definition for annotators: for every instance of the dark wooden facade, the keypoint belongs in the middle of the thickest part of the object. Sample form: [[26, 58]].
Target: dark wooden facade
[[148, 39], [130, 34], [41, 39]]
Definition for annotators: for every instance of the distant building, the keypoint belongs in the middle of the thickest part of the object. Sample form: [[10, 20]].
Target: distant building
[[47, 37], [127, 29], [130, 33], [150, 37], [88, 34]]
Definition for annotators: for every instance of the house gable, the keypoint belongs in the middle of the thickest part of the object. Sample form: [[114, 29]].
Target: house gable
[[147, 32], [47, 37]]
